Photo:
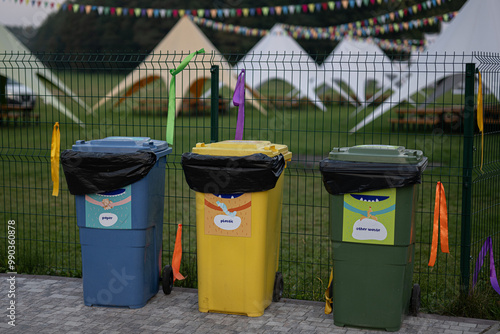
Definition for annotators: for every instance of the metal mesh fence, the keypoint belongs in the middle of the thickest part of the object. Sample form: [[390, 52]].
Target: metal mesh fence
[[350, 99]]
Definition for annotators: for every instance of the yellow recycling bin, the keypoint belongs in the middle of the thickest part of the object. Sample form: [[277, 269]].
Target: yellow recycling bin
[[239, 193]]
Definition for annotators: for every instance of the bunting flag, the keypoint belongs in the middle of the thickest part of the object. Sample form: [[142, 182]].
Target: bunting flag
[[440, 223], [171, 99], [480, 123], [310, 33], [487, 248], [239, 101], [55, 152], [311, 8]]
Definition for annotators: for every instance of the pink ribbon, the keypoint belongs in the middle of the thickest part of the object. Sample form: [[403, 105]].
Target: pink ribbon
[[488, 246], [239, 101]]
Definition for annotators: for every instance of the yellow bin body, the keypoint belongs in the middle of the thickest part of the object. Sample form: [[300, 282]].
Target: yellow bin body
[[237, 267]]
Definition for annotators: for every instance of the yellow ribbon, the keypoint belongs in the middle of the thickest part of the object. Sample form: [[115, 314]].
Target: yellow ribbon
[[440, 223], [480, 123], [55, 148], [328, 298]]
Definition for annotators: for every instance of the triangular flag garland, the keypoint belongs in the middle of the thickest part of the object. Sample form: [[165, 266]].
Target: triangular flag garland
[[55, 153], [440, 227], [239, 101], [487, 248], [257, 11], [171, 99]]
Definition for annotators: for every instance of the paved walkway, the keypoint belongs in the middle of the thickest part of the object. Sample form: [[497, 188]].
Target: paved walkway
[[46, 304]]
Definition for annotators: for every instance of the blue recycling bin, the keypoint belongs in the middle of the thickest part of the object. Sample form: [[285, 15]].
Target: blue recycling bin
[[121, 229]]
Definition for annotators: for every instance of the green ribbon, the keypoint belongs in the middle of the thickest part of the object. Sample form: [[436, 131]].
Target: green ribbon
[[171, 96]]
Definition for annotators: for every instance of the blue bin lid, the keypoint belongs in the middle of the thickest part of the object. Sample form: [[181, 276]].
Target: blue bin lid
[[123, 145]]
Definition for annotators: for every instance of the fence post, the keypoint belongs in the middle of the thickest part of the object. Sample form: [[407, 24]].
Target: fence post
[[468, 117], [214, 102]]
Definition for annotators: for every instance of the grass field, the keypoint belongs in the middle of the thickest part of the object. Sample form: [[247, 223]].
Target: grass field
[[47, 235]]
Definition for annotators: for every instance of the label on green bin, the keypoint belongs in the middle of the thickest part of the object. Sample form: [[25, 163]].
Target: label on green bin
[[109, 210], [369, 217]]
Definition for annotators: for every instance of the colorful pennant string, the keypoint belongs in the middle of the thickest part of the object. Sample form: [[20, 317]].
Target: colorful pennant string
[[55, 152], [440, 223], [487, 248]]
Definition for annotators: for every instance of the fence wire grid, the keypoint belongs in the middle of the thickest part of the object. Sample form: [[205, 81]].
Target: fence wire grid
[[427, 103]]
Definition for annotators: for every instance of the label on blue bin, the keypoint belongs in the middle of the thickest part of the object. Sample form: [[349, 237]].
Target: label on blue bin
[[109, 210], [369, 217]]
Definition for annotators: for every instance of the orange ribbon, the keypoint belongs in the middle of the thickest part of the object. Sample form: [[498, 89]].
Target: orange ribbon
[[480, 122], [441, 223], [176, 258]]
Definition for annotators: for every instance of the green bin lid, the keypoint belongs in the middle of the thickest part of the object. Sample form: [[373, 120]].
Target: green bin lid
[[377, 153]]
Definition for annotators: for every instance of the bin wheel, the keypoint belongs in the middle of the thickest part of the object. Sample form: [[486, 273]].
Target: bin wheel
[[415, 300], [278, 287], [167, 279]]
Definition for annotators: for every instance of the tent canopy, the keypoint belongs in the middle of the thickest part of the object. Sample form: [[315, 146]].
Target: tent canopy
[[185, 37], [474, 29], [22, 66], [278, 56], [356, 63]]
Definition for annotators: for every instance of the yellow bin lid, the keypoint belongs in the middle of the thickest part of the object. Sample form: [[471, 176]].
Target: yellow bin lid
[[238, 148]]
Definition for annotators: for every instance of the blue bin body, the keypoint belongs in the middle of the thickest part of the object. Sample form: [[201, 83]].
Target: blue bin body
[[121, 230]]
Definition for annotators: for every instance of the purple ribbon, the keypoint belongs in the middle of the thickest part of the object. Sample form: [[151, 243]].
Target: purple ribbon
[[239, 101], [488, 246]]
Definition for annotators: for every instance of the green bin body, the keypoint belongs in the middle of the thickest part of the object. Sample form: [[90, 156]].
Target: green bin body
[[373, 234]]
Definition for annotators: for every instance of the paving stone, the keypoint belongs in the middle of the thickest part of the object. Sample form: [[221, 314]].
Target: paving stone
[[55, 305]]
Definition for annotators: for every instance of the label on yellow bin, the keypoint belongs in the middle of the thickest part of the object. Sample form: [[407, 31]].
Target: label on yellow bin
[[369, 217], [228, 215]]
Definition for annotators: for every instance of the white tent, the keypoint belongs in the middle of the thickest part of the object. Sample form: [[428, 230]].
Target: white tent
[[185, 37], [432, 37], [278, 56], [474, 29], [21, 65], [356, 63]]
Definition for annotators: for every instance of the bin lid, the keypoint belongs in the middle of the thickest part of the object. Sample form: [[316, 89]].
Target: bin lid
[[240, 148], [119, 144], [377, 153]]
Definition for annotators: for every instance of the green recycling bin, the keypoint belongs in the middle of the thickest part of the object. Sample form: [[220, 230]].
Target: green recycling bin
[[372, 227]]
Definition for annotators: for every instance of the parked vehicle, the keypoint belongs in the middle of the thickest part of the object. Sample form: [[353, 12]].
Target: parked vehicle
[[19, 96]]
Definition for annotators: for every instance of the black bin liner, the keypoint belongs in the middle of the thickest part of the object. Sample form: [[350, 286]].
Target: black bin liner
[[93, 172], [230, 174], [344, 177]]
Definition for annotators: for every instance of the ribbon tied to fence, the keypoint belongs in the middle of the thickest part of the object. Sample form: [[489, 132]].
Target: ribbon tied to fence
[[177, 256], [480, 123], [171, 98], [328, 298], [239, 101], [440, 223], [487, 247], [55, 152]]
